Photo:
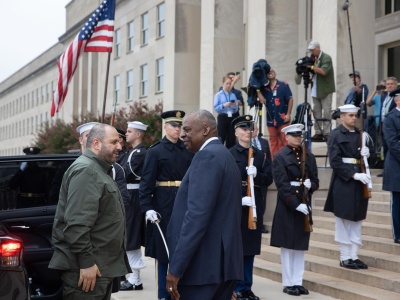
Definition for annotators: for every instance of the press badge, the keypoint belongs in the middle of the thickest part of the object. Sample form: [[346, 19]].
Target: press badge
[[274, 93], [229, 114]]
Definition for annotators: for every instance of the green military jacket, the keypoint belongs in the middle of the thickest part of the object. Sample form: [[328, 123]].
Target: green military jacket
[[89, 225], [325, 84]]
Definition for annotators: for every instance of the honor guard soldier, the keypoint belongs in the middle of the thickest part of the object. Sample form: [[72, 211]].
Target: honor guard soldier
[[122, 140], [346, 199], [133, 163], [296, 177], [251, 238], [165, 165], [31, 182]]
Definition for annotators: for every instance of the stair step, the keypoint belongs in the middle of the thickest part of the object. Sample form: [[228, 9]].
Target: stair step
[[368, 228], [372, 216], [335, 287], [378, 196], [384, 261]]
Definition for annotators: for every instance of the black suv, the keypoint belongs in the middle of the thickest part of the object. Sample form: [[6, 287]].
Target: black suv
[[29, 188]]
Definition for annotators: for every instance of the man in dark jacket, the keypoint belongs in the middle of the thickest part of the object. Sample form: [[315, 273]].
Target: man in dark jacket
[[346, 199], [204, 236], [288, 224], [132, 163], [391, 176], [89, 225]]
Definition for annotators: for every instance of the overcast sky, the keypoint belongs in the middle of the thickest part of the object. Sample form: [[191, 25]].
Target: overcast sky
[[29, 27]]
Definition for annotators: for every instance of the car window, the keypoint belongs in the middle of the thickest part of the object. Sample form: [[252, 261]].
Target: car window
[[32, 183]]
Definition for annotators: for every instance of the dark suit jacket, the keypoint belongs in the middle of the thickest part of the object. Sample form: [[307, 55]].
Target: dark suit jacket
[[203, 234], [391, 130]]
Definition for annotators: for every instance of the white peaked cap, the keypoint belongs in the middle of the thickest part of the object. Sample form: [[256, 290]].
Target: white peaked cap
[[348, 108], [85, 127], [293, 128], [137, 125]]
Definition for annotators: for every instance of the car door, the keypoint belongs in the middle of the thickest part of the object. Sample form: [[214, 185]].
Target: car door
[[29, 187]]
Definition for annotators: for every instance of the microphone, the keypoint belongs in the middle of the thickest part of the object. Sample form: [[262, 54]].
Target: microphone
[[346, 5]]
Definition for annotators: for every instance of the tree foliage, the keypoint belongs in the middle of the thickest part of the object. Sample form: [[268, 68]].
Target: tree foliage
[[61, 137]]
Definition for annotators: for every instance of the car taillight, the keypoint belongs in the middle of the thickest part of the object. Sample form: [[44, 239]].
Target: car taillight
[[10, 251]]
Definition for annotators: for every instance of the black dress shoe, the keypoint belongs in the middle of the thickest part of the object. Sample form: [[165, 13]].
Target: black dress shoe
[[379, 175], [397, 241], [302, 289], [348, 263], [360, 264], [250, 295], [127, 286], [264, 229], [291, 290], [241, 295]]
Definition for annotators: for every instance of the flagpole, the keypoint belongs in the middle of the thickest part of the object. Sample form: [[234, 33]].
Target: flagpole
[[105, 88]]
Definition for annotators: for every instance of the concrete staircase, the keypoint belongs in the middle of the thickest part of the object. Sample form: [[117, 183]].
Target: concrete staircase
[[322, 271]]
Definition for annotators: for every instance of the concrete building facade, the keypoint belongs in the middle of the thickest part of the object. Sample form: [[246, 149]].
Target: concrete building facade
[[177, 52]]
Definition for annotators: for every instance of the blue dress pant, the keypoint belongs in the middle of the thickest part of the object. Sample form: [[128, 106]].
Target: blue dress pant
[[162, 269], [245, 285], [395, 210]]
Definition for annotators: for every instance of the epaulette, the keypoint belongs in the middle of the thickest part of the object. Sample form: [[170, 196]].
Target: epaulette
[[285, 82], [156, 143], [334, 129]]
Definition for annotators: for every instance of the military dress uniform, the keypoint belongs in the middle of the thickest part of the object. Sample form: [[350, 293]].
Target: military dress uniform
[[165, 165], [345, 196], [288, 223], [251, 239]]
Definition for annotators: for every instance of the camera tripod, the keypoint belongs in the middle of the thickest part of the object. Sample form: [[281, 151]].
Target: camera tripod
[[305, 115]]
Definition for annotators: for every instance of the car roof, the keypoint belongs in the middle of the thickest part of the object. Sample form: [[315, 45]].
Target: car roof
[[38, 157]]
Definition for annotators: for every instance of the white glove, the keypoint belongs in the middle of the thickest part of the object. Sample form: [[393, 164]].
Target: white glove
[[365, 151], [364, 178], [152, 215], [23, 165], [246, 201], [302, 208], [307, 183], [252, 170]]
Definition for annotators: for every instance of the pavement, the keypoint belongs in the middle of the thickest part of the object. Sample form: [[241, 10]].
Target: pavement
[[262, 287]]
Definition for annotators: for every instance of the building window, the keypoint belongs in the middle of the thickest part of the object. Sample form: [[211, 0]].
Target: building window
[[42, 92], [129, 85], [160, 74], [143, 81], [117, 86], [117, 47], [145, 28], [391, 6], [161, 20], [394, 61], [131, 29]]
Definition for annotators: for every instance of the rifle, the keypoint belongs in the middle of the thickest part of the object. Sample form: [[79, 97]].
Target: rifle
[[252, 220], [306, 195], [364, 161], [113, 114]]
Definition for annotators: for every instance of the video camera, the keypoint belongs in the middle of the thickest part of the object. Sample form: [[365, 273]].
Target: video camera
[[302, 65], [258, 79]]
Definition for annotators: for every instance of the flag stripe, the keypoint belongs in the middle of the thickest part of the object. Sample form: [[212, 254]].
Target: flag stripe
[[95, 36]]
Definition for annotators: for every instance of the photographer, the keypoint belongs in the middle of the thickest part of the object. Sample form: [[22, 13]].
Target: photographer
[[278, 100], [322, 89], [355, 95], [226, 105], [376, 99]]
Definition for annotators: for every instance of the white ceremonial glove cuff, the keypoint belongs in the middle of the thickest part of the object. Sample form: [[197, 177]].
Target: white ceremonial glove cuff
[[151, 215], [365, 151], [302, 208], [246, 201], [252, 170], [364, 178], [307, 183], [23, 166]]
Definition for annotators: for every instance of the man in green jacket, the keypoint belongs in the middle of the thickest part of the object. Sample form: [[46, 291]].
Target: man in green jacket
[[89, 225], [323, 86]]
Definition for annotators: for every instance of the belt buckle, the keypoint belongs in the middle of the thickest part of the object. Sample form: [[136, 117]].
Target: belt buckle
[[355, 161], [177, 183]]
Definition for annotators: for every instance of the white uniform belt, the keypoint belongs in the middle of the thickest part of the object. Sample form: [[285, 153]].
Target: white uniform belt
[[296, 183], [348, 160], [132, 186]]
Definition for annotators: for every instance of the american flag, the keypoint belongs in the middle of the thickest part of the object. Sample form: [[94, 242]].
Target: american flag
[[95, 36]]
